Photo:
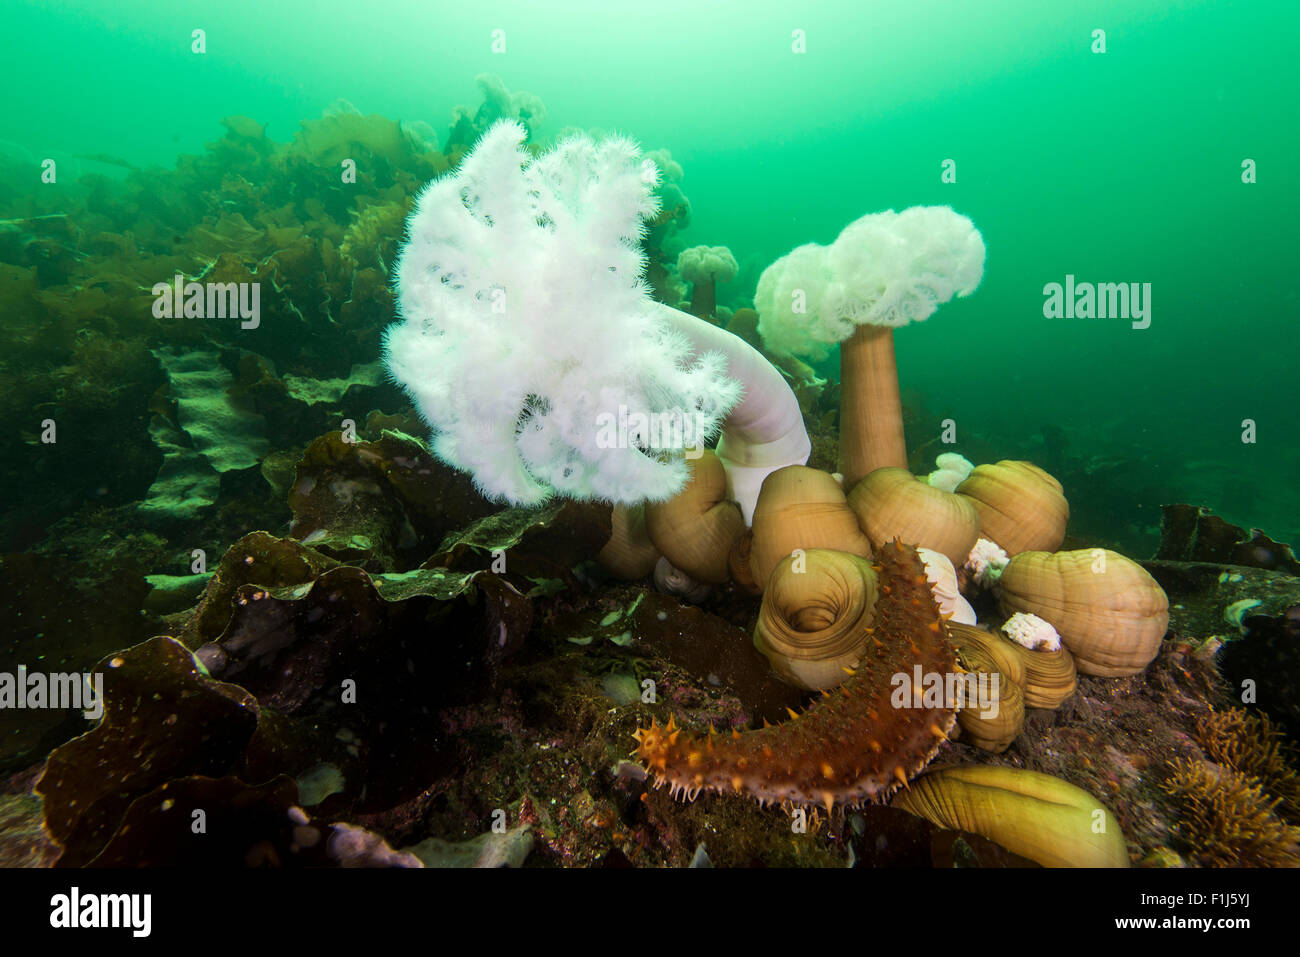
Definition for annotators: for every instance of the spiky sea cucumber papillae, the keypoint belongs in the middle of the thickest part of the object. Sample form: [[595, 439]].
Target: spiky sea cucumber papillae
[[850, 746]]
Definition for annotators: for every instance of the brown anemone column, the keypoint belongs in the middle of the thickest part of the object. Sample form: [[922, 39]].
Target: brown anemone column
[[871, 412], [704, 298]]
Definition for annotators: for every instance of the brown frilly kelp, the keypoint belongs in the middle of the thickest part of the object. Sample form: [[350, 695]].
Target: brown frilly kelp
[[323, 699], [80, 282], [162, 720], [293, 663], [1243, 587], [312, 219], [684, 646], [1194, 534], [555, 537], [1201, 595], [225, 823], [378, 503], [201, 821], [24, 842], [286, 643], [1254, 618], [1267, 658]]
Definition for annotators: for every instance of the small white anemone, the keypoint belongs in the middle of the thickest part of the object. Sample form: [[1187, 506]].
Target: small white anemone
[[953, 469], [710, 264], [986, 562], [1032, 632]]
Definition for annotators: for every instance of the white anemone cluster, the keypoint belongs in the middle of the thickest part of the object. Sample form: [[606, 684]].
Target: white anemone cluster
[[529, 342], [1032, 632], [986, 562], [706, 264], [953, 469]]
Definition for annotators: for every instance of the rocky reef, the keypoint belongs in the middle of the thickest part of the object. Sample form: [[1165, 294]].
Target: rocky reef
[[321, 642]]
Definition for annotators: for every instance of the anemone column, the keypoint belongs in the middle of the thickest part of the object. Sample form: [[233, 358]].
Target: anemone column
[[871, 411], [764, 431]]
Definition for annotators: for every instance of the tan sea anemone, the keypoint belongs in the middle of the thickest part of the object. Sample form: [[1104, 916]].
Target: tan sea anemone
[[1002, 652], [995, 715], [1050, 676], [816, 617], [1034, 815], [892, 503], [800, 507], [992, 729], [1110, 613], [1047, 678], [1020, 506], [738, 564], [629, 554], [671, 580], [696, 528]]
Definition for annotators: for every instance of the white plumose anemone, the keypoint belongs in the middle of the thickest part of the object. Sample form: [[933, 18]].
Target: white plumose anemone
[[532, 349]]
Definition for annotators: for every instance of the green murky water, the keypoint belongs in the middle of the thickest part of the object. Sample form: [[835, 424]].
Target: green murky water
[[1117, 166], [239, 496]]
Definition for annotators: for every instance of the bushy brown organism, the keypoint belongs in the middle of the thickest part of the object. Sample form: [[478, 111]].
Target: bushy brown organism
[[1228, 820], [1252, 745]]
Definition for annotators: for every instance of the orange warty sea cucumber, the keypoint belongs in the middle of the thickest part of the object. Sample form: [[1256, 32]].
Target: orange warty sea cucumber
[[851, 745]]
